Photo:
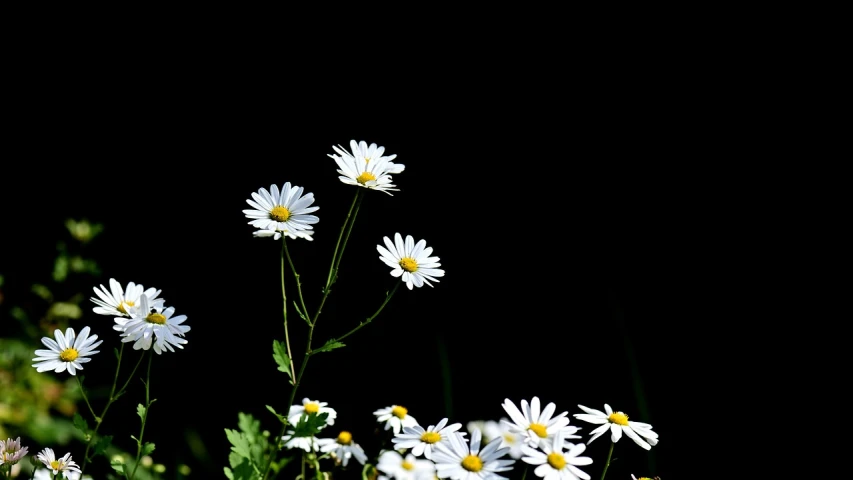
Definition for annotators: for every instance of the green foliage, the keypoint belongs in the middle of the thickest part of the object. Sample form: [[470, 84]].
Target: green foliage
[[281, 358], [103, 444], [80, 423], [329, 346], [310, 424]]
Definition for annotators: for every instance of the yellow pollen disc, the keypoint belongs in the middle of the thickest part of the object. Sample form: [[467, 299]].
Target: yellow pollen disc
[[409, 264], [430, 437], [279, 214], [472, 463], [68, 355], [539, 430], [556, 460], [155, 317], [408, 465], [312, 407], [122, 304], [365, 177], [619, 418], [55, 465], [399, 412], [345, 438]]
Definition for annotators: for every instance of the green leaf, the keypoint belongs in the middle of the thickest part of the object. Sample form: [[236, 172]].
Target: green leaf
[[80, 423], [115, 350], [243, 471], [239, 442], [301, 314], [248, 424], [310, 424], [147, 448], [118, 466], [330, 345], [281, 358], [140, 410], [103, 444], [279, 416]]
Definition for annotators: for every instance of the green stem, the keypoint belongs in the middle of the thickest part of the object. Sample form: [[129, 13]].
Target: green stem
[[148, 403], [370, 319], [524, 475], [298, 284], [284, 306], [347, 222], [86, 398], [607, 463]]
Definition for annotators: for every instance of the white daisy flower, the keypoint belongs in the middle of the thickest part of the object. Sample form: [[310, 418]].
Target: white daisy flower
[[277, 234], [311, 406], [554, 464], [343, 448], [410, 260], [535, 425], [395, 417], [618, 423], [153, 326], [489, 429], [68, 352], [42, 474], [11, 451], [459, 461], [285, 211], [366, 167], [116, 302], [303, 443], [56, 465], [643, 478], [398, 467], [511, 439], [422, 441]]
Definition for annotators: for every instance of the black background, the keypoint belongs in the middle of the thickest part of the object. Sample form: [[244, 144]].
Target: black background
[[577, 234]]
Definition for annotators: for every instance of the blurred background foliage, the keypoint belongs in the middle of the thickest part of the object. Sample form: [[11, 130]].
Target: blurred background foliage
[[39, 407]]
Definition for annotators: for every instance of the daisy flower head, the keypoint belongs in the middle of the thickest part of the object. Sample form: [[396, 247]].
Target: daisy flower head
[[422, 440], [398, 467], [395, 417], [552, 463], [43, 474], [307, 443], [458, 460], [411, 261], [489, 429], [277, 234], [63, 464], [11, 451], [343, 448], [644, 478], [309, 407], [366, 167], [618, 423], [68, 352], [118, 302], [285, 211], [537, 425], [155, 326]]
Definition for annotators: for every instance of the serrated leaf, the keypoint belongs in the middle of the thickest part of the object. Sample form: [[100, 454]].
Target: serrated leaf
[[80, 423], [103, 444], [310, 424], [248, 424], [244, 471], [281, 358], [147, 448], [329, 345], [278, 415], [140, 410], [228, 473], [118, 466], [239, 443]]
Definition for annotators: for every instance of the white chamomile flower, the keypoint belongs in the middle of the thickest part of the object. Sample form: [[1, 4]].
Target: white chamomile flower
[[11, 451], [68, 352], [618, 423], [395, 417], [536, 425], [459, 461], [410, 260], [42, 474], [56, 465], [552, 463], [277, 234], [308, 444], [118, 302], [309, 407], [343, 448], [286, 211], [153, 326], [366, 167], [398, 467], [422, 440], [489, 429]]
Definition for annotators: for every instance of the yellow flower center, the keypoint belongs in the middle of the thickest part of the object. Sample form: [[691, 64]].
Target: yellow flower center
[[430, 437], [68, 355], [155, 317], [399, 412], [472, 463], [556, 460], [509, 438], [408, 465], [365, 177], [539, 430], [56, 465], [312, 407], [618, 418], [121, 305], [345, 438], [409, 264], [279, 214]]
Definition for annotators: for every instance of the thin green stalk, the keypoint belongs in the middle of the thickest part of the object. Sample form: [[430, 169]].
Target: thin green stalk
[[298, 284], [359, 199], [284, 307], [524, 475], [148, 403], [348, 221], [370, 318], [85, 397], [113, 397], [607, 463]]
